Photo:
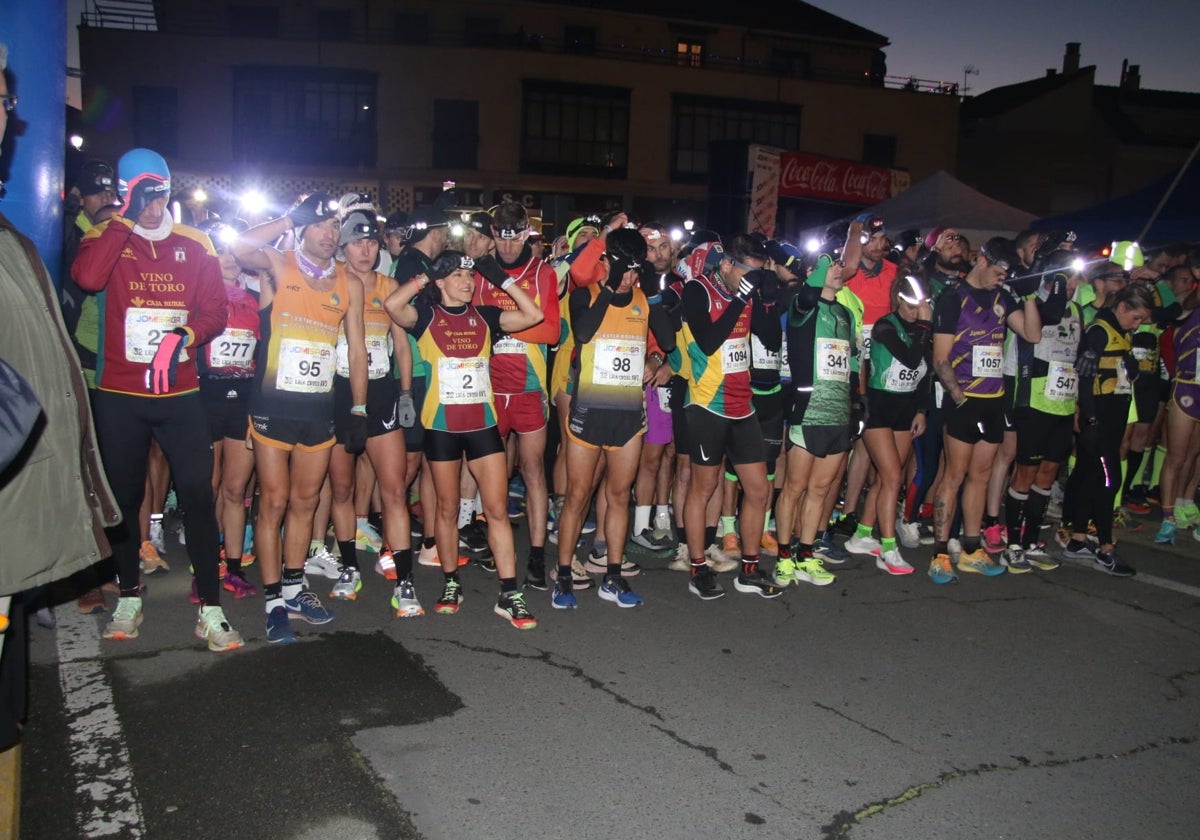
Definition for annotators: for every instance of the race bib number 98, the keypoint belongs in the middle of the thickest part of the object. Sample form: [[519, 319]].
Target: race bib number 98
[[619, 362]]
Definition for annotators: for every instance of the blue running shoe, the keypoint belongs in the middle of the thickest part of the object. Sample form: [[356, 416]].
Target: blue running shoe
[[308, 607], [279, 629], [1166, 532], [617, 590], [589, 527], [830, 553], [248, 540], [563, 598]]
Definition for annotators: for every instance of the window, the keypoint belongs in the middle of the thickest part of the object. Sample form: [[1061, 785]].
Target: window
[[481, 31], [699, 120], [254, 21], [304, 115], [689, 53], [580, 40], [879, 149], [156, 119], [412, 28], [794, 63], [455, 134], [333, 24], [573, 129]]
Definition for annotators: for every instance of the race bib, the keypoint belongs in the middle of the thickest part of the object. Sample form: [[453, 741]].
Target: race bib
[[508, 344], [864, 341], [664, 398], [735, 356], [232, 349], [144, 329], [305, 367], [901, 379], [783, 356], [939, 391], [833, 359], [987, 361], [463, 381], [1124, 386], [762, 358], [379, 356], [618, 362], [1062, 384]]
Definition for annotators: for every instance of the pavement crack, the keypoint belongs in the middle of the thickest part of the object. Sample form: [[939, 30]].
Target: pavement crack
[[1175, 681], [845, 821], [859, 723]]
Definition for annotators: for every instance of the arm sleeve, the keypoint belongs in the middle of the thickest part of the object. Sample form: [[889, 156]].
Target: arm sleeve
[[491, 317], [709, 334], [909, 355], [1094, 339], [586, 268], [945, 314], [661, 328], [586, 314]]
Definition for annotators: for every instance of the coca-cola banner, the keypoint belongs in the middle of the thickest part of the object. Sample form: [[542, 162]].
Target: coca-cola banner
[[830, 179]]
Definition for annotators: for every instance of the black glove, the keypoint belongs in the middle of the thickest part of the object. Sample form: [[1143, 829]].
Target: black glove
[[750, 281], [141, 195], [406, 411], [858, 415], [1025, 285], [491, 271], [1088, 364], [313, 209], [1131, 367], [161, 376], [770, 285], [356, 434]]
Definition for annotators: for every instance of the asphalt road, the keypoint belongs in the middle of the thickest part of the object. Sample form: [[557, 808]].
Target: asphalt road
[[1059, 704]]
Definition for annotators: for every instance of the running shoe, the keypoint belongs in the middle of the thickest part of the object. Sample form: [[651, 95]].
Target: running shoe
[[1127, 523], [535, 578], [1135, 501], [279, 628], [91, 602], [812, 570], [1015, 561], [487, 563], [1187, 516], [681, 562], [451, 598], [940, 570], [511, 607], [1086, 552], [563, 598], [386, 564], [580, 579], [845, 525], [404, 600], [785, 572], [1109, 563], [306, 606], [716, 560], [472, 538], [429, 557], [181, 535], [126, 619], [236, 583], [979, 562], [152, 563], [366, 538], [757, 583], [589, 527], [214, 628], [768, 545], [323, 564], [156, 532], [194, 593], [994, 538], [927, 535], [248, 544], [617, 590], [731, 547], [348, 584], [662, 521], [863, 545], [599, 565], [515, 510], [892, 563], [648, 540], [909, 533], [1039, 558], [830, 553], [703, 584], [1166, 532]]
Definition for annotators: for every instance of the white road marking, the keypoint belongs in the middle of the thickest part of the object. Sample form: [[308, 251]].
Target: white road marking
[[99, 757]]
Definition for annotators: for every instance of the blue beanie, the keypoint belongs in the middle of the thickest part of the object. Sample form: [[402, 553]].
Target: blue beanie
[[139, 164]]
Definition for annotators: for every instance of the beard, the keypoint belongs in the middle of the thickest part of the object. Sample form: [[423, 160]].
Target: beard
[[956, 264]]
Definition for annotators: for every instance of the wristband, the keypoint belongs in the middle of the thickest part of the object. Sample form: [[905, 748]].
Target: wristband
[[508, 283], [360, 410]]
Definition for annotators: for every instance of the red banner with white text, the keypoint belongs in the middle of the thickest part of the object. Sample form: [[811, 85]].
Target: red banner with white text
[[829, 179]]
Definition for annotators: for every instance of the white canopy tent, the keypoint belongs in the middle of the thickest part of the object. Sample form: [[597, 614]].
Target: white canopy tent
[[941, 200]]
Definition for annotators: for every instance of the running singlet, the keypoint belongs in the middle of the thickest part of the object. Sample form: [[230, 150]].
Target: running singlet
[[719, 382], [887, 373], [977, 354], [1112, 378], [232, 354], [377, 330], [607, 372], [821, 378], [519, 360], [1187, 345], [297, 351], [457, 344]]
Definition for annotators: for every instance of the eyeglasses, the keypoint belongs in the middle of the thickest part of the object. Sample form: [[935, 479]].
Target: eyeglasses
[[953, 237], [10, 102], [743, 266]]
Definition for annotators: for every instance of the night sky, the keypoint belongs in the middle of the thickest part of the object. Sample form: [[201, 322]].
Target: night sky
[[935, 39]]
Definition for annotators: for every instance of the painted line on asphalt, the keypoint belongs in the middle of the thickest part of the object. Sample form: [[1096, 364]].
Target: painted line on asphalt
[[107, 796], [1152, 580]]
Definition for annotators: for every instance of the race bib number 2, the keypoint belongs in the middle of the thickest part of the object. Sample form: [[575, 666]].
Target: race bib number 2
[[463, 381]]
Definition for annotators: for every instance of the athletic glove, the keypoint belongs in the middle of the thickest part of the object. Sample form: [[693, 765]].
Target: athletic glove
[[161, 376], [1088, 364], [1131, 367], [140, 196], [356, 434], [750, 281], [313, 209], [491, 271], [406, 412]]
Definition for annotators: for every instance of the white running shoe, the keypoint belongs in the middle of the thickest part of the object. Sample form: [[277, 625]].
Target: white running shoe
[[909, 533], [323, 564], [682, 562], [156, 532], [717, 561], [863, 545], [892, 563]]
